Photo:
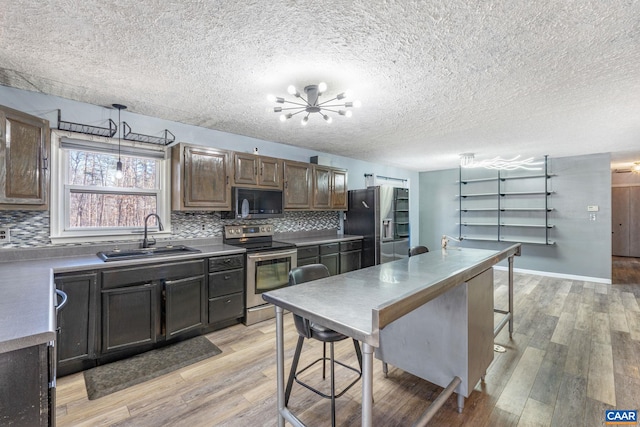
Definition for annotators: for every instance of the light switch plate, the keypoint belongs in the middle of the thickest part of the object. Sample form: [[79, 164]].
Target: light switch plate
[[593, 208], [5, 235]]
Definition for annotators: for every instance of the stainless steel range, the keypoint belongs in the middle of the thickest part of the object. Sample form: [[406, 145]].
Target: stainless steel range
[[268, 264]]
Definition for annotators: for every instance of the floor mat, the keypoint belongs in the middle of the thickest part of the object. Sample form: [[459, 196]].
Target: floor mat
[[112, 377]]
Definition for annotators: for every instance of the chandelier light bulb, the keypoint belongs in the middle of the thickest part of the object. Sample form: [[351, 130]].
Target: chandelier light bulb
[[348, 113], [292, 90], [305, 120], [283, 118], [271, 98], [327, 118], [322, 87], [119, 173]]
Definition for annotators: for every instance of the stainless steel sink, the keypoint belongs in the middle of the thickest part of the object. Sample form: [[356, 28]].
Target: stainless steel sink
[[117, 255]]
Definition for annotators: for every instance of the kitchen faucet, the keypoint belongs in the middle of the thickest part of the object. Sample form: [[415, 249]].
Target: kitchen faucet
[[145, 242]]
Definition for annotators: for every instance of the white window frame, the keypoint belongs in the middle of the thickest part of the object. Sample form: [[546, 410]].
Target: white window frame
[[60, 191]]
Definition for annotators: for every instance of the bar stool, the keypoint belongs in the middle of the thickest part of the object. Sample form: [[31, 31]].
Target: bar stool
[[417, 250], [311, 330]]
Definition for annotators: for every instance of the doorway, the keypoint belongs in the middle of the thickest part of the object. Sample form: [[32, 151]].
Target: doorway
[[625, 270]]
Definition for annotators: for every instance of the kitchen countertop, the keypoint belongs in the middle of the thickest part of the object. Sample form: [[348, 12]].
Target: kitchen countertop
[[360, 303], [314, 238], [27, 314]]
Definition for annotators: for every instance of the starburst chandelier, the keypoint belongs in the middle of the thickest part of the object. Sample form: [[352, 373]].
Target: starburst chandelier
[[311, 104]]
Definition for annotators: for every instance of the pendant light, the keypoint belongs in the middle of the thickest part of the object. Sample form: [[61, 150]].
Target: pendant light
[[119, 107]]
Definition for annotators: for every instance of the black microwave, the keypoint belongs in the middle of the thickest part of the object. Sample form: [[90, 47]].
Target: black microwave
[[254, 203]]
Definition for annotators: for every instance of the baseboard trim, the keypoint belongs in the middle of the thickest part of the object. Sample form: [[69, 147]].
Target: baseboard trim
[[557, 275]]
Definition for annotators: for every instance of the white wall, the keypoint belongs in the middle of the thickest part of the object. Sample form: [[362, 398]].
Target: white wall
[[583, 246]]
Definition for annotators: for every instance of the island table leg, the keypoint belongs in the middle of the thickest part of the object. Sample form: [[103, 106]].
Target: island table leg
[[367, 384], [280, 363]]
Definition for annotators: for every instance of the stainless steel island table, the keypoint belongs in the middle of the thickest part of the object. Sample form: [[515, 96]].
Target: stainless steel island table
[[361, 303]]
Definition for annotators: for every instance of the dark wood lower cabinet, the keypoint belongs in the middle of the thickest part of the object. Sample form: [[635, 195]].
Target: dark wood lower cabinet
[[330, 257], [120, 311], [76, 322], [25, 397], [184, 305], [350, 255], [338, 257], [129, 317]]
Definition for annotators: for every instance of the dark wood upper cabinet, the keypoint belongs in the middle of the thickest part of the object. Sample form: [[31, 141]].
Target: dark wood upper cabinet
[[257, 171], [201, 178], [24, 148], [329, 188], [339, 189], [297, 185]]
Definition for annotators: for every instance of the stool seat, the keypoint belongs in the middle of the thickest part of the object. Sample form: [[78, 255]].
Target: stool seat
[[321, 333]]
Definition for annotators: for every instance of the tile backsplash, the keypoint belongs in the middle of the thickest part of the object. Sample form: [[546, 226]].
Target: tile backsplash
[[30, 229]]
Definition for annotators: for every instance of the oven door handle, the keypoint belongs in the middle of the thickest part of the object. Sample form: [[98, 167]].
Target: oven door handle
[[271, 255]]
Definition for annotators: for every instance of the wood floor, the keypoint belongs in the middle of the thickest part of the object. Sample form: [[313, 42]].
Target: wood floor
[[575, 352]]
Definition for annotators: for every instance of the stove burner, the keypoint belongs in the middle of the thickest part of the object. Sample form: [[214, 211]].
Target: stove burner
[[254, 238]]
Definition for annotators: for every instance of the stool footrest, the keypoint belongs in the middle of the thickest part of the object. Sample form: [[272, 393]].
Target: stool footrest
[[318, 392]]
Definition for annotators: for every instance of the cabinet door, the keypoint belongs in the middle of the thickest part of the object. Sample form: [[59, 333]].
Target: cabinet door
[[25, 397], [24, 144], [129, 317], [339, 189], [245, 169], [297, 185], [206, 178], [76, 320], [270, 172], [185, 305], [332, 262], [350, 261], [321, 187]]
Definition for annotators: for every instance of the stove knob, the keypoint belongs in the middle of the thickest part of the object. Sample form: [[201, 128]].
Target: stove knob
[[269, 229]]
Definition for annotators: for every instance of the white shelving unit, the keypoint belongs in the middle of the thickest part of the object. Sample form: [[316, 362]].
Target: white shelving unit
[[505, 206]]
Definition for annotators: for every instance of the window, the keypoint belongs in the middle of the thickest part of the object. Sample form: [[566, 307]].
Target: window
[[92, 203]]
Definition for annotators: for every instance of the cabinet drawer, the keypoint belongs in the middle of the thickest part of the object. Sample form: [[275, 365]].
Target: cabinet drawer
[[225, 308], [307, 261], [308, 251], [351, 245], [226, 262], [329, 248], [137, 275], [226, 282]]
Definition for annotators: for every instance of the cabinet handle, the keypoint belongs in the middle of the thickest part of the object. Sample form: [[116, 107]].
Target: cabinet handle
[[64, 297], [227, 277], [45, 163], [227, 261], [286, 184], [227, 301], [227, 179], [261, 170]]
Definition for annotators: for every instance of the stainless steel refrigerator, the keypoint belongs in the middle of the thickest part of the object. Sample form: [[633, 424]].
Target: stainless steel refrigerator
[[381, 215]]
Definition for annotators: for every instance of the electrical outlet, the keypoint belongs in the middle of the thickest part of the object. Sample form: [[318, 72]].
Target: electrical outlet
[[5, 235]]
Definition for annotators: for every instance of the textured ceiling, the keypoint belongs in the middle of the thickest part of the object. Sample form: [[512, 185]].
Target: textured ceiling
[[436, 78]]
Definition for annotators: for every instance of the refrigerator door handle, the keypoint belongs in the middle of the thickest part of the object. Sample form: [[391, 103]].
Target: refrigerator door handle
[[365, 204]]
